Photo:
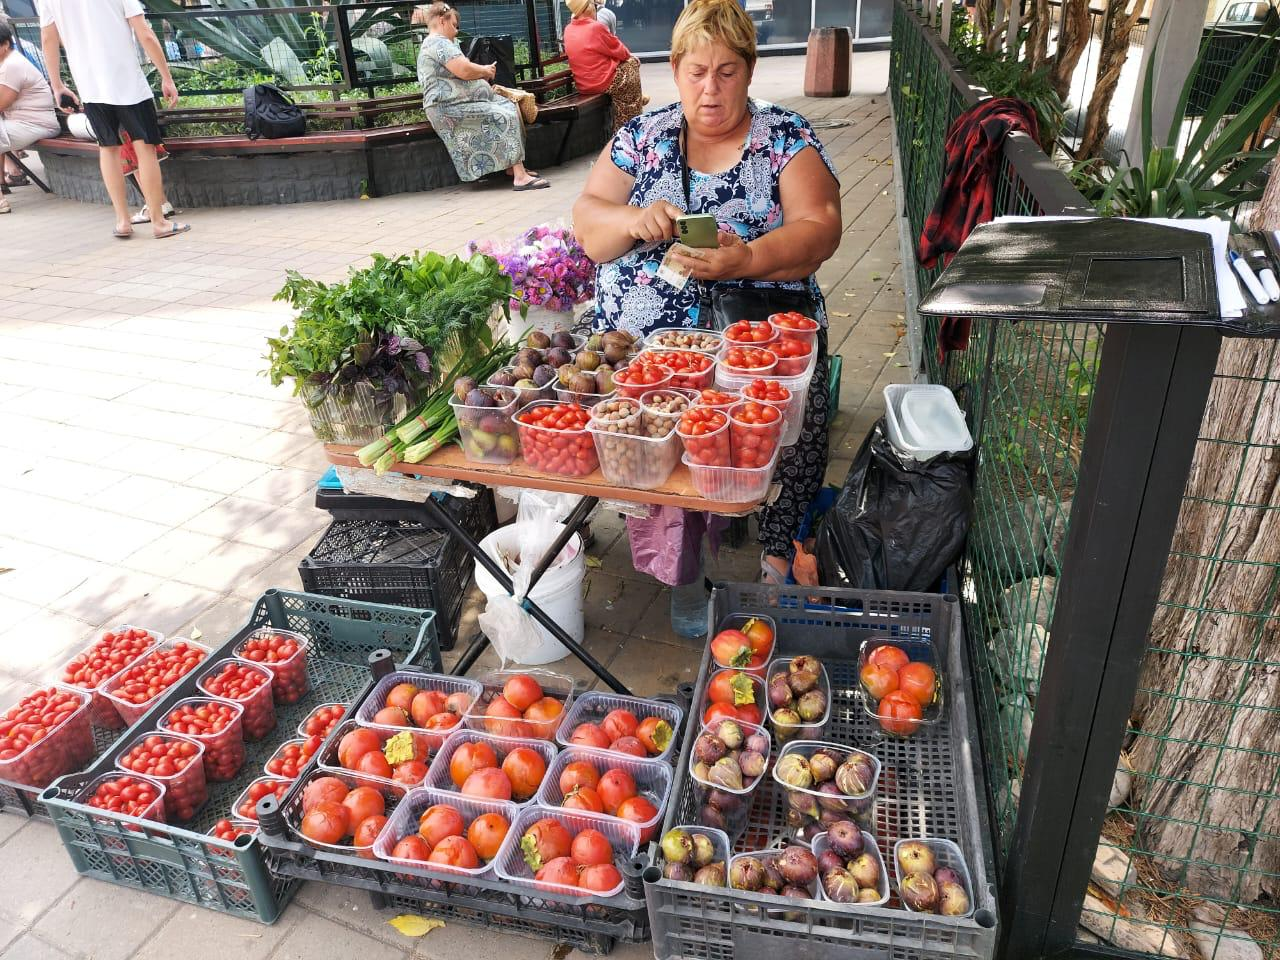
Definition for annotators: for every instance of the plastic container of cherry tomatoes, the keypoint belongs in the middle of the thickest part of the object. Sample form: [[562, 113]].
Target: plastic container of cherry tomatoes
[[633, 380], [731, 484], [755, 361], [403, 822], [745, 333], [223, 750], [259, 717], [784, 399], [104, 713], [289, 673], [510, 865], [568, 453], [793, 326], [710, 449], [116, 688], [392, 795], [753, 444], [302, 727], [280, 755], [185, 789], [66, 744], [245, 808], [794, 357], [690, 369], [154, 811]]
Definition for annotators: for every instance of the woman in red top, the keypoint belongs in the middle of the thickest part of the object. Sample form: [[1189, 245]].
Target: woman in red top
[[601, 63]]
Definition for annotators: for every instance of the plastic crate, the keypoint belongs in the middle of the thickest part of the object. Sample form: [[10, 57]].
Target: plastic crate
[[928, 787], [594, 926], [185, 863], [343, 505], [406, 562]]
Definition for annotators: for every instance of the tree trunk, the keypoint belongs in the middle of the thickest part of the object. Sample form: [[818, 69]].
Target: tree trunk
[[983, 13], [1116, 28], [995, 31], [1040, 20], [1206, 763], [1072, 41]]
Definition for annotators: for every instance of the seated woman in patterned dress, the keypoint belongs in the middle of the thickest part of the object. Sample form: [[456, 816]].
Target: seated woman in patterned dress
[[481, 129], [764, 175]]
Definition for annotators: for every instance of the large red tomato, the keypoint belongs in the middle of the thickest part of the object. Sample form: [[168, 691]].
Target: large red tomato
[[366, 832], [410, 773], [561, 871], [391, 717], [323, 788], [579, 773], [583, 798], [486, 834], [364, 802], [589, 735], [732, 648], [356, 744], [616, 786], [619, 723], [425, 705], [522, 691], [326, 822], [640, 810], [631, 745], [544, 841], [878, 680], [919, 682], [488, 782], [401, 695], [468, 758], [525, 768], [887, 655], [440, 821], [600, 878], [591, 846], [456, 852], [504, 719], [899, 714], [374, 764], [412, 847]]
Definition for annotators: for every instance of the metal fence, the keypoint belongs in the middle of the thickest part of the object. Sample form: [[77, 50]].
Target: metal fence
[[1192, 837]]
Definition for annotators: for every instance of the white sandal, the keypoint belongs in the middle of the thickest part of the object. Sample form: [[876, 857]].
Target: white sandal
[[144, 215]]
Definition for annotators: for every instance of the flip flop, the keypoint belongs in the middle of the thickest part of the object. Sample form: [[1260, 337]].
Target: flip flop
[[175, 228], [122, 234], [535, 184]]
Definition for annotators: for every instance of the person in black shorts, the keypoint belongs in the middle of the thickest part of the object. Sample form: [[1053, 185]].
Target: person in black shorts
[[98, 36]]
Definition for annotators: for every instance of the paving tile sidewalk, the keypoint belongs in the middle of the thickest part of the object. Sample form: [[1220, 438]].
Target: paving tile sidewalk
[[150, 474]]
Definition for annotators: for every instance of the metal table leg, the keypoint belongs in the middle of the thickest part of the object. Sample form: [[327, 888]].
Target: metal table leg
[[573, 524]]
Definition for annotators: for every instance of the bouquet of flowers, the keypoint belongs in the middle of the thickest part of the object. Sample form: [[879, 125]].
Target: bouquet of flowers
[[547, 266]]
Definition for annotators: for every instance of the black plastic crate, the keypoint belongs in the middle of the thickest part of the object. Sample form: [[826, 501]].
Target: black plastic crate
[[404, 561], [182, 861], [930, 785], [342, 505], [594, 927]]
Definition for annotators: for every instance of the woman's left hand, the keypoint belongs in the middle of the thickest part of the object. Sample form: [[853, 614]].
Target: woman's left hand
[[730, 261]]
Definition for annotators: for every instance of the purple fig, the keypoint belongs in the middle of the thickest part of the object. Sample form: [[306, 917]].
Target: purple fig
[[802, 803], [795, 892], [727, 802], [677, 846], [809, 829], [919, 892], [543, 374], [708, 749], [747, 873], [772, 875], [752, 764], [793, 771], [704, 850], [710, 816], [730, 734], [854, 776], [823, 764], [803, 673], [726, 773], [758, 743], [952, 900], [780, 694], [711, 875], [811, 706], [829, 860], [784, 718], [947, 875], [798, 865], [828, 817], [845, 838], [678, 871], [831, 798], [839, 886], [868, 895], [865, 870], [914, 856]]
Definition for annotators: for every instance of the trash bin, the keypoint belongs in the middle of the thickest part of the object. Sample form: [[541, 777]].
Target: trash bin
[[827, 68]]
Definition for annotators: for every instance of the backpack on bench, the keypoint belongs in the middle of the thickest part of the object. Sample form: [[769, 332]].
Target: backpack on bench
[[269, 114]]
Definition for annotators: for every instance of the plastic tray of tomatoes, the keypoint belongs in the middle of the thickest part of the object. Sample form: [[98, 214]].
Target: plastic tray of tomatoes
[[730, 484], [44, 733], [136, 689], [554, 438], [648, 729], [341, 635], [110, 654], [690, 369], [622, 787], [433, 703]]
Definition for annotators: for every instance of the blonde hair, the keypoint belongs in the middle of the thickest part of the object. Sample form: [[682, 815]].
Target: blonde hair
[[705, 22], [439, 10]]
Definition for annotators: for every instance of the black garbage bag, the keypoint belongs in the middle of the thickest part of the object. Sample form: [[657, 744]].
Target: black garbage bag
[[500, 50], [897, 523]]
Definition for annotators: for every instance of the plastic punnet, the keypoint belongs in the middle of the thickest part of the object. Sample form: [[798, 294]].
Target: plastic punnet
[[113, 689], [403, 822], [327, 758], [510, 864], [441, 683], [104, 712], [186, 789], [64, 749], [946, 854], [224, 750], [154, 811], [592, 707], [554, 685], [859, 807], [805, 730], [731, 484], [772, 854], [487, 434], [259, 717], [917, 651], [288, 677], [652, 777], [537, 444], [684, 338], [719, 840], [392, 794], [737, 621], [440, 779], [302, 727], [639, 462], [734, 805], [821, 844]]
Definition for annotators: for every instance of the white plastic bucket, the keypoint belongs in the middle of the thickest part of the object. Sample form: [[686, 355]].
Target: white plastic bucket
[[558, 592], [924, 420]]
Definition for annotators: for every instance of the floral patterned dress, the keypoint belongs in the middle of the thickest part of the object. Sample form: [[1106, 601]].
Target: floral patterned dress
[[746, 200], [481, 130]]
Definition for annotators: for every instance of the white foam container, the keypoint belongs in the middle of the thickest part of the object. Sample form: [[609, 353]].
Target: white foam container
[[924, 420]]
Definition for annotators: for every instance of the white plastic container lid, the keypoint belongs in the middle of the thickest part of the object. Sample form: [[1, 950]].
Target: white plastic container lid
[[924, 420]]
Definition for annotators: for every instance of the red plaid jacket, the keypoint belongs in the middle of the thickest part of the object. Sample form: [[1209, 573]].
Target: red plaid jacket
[[967, 198]]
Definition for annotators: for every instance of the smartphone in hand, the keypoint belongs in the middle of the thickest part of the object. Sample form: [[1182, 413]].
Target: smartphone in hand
[[697, 230]]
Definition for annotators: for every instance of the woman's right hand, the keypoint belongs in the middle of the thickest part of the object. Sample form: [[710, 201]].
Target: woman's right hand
[[656, 223], [490, 72]]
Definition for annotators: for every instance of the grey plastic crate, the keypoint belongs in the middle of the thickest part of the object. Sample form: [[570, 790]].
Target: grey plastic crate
[[929, 787], [184, 862]]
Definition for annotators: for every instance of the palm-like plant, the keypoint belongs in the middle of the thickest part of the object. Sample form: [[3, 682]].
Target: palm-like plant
[[1214, 172]]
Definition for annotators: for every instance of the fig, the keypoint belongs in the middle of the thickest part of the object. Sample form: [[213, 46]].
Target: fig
[[728, 802], [757, 743], [751, 764], [704, 850], [809, 830], [947, 875], [678, 871], [587, 360], [478, 398], [529, 357], [772, 875], [708, 749], [562, 339], [604, 381], [786, 717], [619, 337], [854, 776], [839, 886], [802, 803], [831, 798], [845, 838], [798, 865], [730, 734], [796, 893], [779, 691], [793, 771], [507, 445], [803, 673], [700, 770], [747, 873], [798, 820], [524, 385], [558, 357], [677, 846], [538, 340], [865, 870], [614, 354], [952, 900], [725, 773], [823, 765], [919, 891], [463, 386], [583, 383], [811, 706], [869, 895], [565, 372], [914, 856], [710, 816], [712, 875], [503, 378], [543, 374], [828, 817], [522, 371], [829, 860], [593, 342]]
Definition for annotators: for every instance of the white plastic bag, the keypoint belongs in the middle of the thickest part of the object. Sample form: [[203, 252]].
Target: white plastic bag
[[509, 627]]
